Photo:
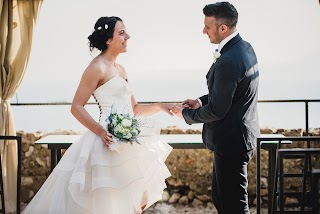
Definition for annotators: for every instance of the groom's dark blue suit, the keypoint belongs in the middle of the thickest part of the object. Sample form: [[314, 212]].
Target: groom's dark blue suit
[[229, 114]]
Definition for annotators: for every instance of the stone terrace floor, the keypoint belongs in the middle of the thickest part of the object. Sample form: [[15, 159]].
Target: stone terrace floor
[[163, 208]]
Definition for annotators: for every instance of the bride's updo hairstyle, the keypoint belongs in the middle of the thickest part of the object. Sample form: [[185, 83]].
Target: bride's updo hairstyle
[[103, 30]]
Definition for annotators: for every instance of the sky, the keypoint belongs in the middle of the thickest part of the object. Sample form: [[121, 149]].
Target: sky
[[167, 52], [168, 55]]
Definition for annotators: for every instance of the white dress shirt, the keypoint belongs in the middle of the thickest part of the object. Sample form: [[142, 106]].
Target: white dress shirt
[[226, 40]]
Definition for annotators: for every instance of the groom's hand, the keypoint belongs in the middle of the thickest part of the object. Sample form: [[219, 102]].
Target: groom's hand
[[189, 103]]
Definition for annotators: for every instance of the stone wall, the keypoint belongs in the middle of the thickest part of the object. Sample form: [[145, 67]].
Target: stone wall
[[191, 169]]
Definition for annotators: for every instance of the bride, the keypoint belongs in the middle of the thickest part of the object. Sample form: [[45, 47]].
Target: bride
[[98, 174]]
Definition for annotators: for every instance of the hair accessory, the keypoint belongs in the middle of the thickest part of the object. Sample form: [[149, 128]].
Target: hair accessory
[[105, 27]]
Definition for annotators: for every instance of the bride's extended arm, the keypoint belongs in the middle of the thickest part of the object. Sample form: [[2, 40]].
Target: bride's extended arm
[[147, 109], [150, 109]]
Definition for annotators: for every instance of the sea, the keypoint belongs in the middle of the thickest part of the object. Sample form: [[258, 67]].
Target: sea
[[48, 118]]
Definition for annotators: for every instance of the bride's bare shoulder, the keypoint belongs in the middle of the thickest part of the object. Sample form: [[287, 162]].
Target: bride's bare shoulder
[[98, 67], [99, 64]]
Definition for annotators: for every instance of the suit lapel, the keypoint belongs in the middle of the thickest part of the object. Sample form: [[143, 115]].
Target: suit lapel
[[233, 41], [211, 68]]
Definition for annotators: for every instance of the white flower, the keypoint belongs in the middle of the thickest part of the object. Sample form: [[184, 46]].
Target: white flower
[[105, 27], [128, 135], [118, 129], [134, 132], [126, 122], [216, 55], [123, 127]]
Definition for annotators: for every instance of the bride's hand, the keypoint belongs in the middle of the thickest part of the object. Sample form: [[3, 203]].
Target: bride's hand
[[167, 108], [106, 137], [177, 110]]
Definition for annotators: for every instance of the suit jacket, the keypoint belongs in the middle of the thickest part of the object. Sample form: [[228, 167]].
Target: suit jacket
[[229, 110]]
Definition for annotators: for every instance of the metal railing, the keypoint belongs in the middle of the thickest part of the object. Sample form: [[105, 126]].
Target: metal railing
[[305, 101]]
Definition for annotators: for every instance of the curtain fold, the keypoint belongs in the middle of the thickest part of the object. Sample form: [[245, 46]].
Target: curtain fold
[[18, 18]]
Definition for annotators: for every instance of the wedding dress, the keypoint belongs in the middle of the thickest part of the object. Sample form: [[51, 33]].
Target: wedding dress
[[93, 179]]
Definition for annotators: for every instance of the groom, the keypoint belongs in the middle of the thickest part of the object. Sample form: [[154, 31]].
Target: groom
[[229, 110]]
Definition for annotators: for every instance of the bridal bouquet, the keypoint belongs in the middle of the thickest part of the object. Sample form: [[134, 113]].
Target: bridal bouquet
[[123, 127]]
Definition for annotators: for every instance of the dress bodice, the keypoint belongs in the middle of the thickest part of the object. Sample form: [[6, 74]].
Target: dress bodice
[[113, 96]]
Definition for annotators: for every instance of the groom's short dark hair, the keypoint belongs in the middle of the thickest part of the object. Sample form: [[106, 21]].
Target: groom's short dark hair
[[223, 12]]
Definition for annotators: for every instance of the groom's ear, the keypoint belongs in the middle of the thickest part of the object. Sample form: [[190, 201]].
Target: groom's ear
[[224, 28]]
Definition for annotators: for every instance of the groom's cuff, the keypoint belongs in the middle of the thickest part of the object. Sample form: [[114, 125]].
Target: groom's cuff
[[199, 102]]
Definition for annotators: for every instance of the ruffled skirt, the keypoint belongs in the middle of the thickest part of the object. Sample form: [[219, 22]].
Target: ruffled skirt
[[91, 178]]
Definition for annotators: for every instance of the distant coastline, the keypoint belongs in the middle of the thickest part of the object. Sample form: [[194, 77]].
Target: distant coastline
[[50, 118]]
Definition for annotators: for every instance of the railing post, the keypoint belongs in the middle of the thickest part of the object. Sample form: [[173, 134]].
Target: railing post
[[307, 117], [258, 182]]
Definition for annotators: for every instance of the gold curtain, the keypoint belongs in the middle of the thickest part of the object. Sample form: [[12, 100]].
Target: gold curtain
[[18, 18]]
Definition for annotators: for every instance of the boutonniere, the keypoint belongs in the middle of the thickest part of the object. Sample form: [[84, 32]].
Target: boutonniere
[[216, 55]]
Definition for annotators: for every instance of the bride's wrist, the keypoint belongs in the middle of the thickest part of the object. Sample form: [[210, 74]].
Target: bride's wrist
[[98, 130]]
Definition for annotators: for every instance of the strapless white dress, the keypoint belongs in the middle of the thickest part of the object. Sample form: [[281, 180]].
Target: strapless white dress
[[91, 178]]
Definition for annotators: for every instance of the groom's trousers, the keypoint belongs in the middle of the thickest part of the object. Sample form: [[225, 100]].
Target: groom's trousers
[[229, 183]]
